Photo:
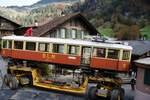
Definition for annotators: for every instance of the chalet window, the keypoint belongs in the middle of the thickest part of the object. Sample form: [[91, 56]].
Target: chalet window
[[73, 50], [58, 48], [57, 33], [62, 32], [9, 44], [68, 33], [74, 33], [30, 45], [126, 55], [99, 52], [82, 34], [85, 34], [18, 44], [146, 77], [112, 53], [43, 47], [4, 43], [78, 34], [2, 24]]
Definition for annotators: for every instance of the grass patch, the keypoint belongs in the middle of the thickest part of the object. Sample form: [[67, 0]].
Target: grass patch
[[146, 31], [106, 31]]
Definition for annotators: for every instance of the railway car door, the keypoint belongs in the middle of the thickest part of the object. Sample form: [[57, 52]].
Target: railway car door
[[86, 55]]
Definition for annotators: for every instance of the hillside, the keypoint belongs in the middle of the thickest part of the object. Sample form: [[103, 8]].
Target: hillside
[[38, 12], [123, 19], [52, 1], [119, 18]]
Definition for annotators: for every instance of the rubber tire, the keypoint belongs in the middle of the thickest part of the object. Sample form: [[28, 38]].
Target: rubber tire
[[114, 94], [11, 81], [91, 93], [7, 78], [122, 93], [14, 83]]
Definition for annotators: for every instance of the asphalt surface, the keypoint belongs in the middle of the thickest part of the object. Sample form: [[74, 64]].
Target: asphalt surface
[[29, 93]]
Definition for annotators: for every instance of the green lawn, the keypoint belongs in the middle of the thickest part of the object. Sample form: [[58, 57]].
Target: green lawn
[[146, 31], [106, 31]]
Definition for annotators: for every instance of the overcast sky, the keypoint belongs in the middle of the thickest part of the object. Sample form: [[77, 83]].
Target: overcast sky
[[17, 2]]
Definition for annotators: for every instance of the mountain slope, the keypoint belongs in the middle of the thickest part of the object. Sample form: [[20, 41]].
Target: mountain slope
[[38, 12], [52, 1], [118, 18]]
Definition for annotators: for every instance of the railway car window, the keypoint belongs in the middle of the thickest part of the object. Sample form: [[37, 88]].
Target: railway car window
[[30, 45], [99, 52], [9, 44], [44, 47], [73, 50], [114, 54], [4, 43], [126, 55], [58, 48], [18, 44]]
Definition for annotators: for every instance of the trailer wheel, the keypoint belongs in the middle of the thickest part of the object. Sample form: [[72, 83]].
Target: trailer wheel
[[115, 94], [122, 93], [91, 93], [7, 78], [11, 81]]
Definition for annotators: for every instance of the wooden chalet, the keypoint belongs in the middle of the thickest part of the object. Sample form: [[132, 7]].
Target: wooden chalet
[[74, 26], [7, 27]]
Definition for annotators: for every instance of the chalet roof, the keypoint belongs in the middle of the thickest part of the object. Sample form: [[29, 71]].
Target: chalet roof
[[17, 24], [140, 47], [145, 62], [43, 29]]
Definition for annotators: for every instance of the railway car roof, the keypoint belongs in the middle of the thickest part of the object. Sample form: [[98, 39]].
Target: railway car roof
[[68, 41]]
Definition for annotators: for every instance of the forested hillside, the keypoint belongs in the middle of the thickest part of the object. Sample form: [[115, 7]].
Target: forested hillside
[[41, 11], [124, 19]]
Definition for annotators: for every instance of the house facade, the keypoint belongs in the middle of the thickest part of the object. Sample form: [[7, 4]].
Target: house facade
[[71, 26], [7, 27], [142, 91]]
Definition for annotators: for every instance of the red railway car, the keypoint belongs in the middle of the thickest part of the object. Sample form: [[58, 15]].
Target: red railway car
[[94, 55]]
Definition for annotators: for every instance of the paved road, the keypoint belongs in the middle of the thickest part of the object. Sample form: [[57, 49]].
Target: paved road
[[36, 94], [129, 94]]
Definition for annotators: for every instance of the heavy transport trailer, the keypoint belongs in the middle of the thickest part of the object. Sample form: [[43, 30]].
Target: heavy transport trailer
[[107, 86], [87, 55], [74, 82]]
